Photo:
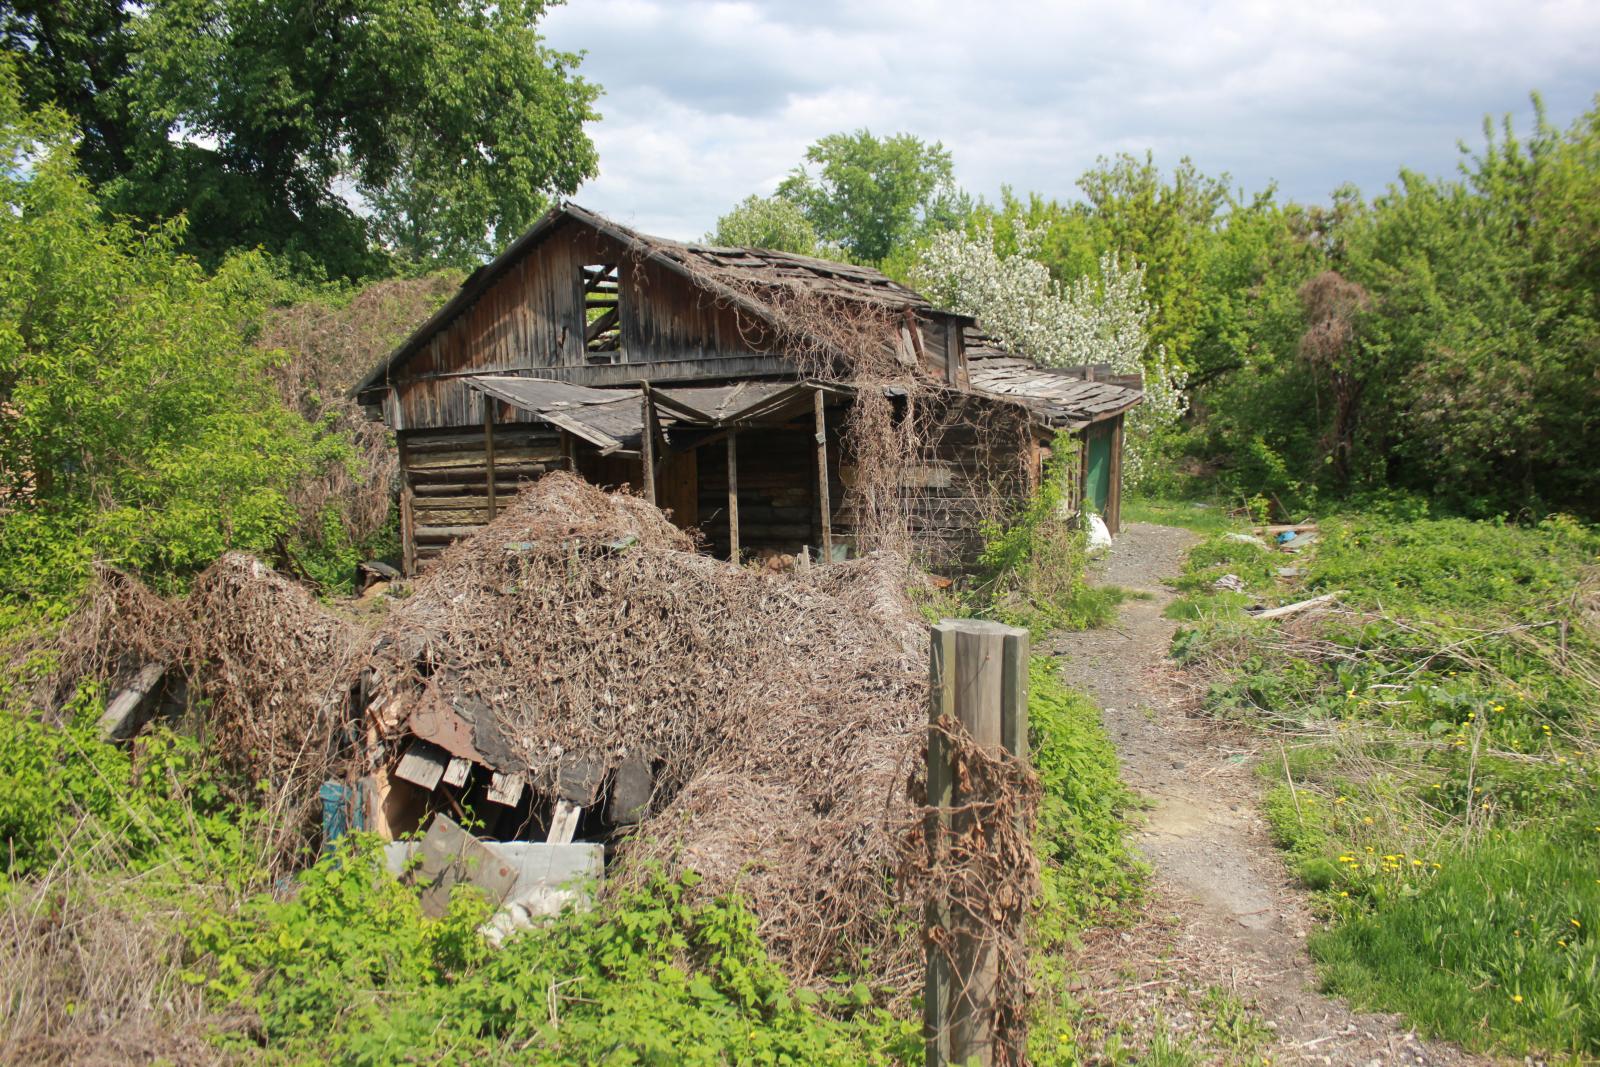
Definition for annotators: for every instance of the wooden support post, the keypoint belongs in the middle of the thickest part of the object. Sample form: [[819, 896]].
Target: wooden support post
[[978, 674], [733, 495], [569, 451], [488, 451], [647, 447], [408, 535], [1114, 497], [823, 504]]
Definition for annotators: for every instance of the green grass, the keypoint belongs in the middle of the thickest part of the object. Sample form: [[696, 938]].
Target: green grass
[[1201, 516], [1496, 949], [1434, 759]]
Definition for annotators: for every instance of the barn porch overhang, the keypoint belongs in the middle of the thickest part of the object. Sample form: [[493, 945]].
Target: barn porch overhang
[[613, 420]]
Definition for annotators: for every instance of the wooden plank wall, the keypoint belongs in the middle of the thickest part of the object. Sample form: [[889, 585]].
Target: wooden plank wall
[[445, 484], [978, 464], [777, 491], [531, 318]]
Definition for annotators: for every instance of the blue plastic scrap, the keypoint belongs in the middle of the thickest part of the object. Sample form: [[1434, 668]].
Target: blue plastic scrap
[[1287, 536], [343, 810]]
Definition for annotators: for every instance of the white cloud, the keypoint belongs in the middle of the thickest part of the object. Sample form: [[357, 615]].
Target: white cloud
[[707, 102]]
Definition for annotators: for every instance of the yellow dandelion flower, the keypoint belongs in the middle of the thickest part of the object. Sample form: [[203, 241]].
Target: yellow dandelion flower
[[1575, 922], [1516, 998], [1367, 820]]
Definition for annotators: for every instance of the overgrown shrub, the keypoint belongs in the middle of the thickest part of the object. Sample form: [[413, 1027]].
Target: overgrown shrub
[[1032, 568]]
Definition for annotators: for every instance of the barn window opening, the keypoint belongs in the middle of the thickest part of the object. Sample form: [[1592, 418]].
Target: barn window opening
[[602, 313]]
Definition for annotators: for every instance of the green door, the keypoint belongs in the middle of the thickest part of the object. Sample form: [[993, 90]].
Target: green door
[[1097, 469]]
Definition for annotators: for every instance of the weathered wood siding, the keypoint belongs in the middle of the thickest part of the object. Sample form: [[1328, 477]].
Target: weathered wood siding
[[777, 491], [532, 318], [445, 482], [979, 462]]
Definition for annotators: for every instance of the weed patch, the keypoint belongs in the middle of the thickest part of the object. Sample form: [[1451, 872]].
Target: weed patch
[[1434, 785]]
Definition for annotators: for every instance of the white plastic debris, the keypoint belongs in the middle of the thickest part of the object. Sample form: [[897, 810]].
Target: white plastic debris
[[1099, 535]]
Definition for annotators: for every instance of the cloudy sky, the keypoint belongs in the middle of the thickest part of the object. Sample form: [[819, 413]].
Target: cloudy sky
[[707, 102]]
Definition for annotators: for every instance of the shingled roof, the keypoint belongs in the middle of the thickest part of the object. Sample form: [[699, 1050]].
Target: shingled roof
[[1064, 398], [719, 269]]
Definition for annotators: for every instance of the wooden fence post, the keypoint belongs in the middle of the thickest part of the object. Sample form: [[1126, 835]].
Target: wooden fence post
[[978, 674]]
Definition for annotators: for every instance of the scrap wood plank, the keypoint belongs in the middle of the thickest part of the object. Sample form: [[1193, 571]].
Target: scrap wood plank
[[451, 855], [505, 789], [423, 764], [564, 823], [121, 718], [1299, 606], [456, 773]]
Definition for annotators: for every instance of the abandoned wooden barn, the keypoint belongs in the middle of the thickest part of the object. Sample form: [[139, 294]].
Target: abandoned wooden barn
[[673, 369]]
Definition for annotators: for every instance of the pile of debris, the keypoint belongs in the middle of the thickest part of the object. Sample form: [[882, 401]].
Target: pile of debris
[[576, 670]]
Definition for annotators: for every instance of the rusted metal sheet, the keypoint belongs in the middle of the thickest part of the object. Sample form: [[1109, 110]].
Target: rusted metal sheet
[[436, 722]]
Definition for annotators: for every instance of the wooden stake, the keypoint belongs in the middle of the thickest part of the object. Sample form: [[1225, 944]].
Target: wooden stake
[[824, 506], [733, 495], [977, 675], [488, 450]]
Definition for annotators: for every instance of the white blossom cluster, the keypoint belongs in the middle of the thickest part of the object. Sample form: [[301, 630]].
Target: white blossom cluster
[[1104, 320]]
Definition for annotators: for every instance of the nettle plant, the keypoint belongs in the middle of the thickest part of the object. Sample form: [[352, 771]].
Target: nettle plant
[[1091, 320]]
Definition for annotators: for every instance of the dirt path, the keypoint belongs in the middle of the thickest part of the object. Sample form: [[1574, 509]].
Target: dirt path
[[1224, 914]]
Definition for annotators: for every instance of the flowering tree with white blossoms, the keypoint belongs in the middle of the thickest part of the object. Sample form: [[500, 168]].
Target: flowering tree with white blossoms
[[1016, 302]]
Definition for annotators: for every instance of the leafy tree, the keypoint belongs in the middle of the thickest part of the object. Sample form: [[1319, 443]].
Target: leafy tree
[[1164, 224], [1107, 320], [1484, 337], [138, 422], [870, 194], [450, 117], [766, 222]]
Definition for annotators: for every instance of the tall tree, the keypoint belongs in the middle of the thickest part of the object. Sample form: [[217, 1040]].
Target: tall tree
[[259, 118], [766, 222], [868, 194]]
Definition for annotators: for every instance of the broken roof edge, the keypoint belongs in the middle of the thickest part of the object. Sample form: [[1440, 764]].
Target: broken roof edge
[[649, 247]]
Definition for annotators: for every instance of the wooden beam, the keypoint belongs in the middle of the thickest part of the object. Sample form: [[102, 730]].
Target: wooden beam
[[122, 719], [733, 495], [408, 540], [647, 446], [978, 676], [824, 506], [488, 451], [1114, 497], [563, 823]]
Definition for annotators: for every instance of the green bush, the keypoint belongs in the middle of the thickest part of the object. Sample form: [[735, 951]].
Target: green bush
[[1032, 569], [1087, 870], [61, 786], [349, 970]]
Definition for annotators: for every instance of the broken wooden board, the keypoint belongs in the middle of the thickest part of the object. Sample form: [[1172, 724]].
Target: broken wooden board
[[423, 764], [1299, 606], [124, 712], [451, 856], [505, 789], [456, 774], [564, 823]]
